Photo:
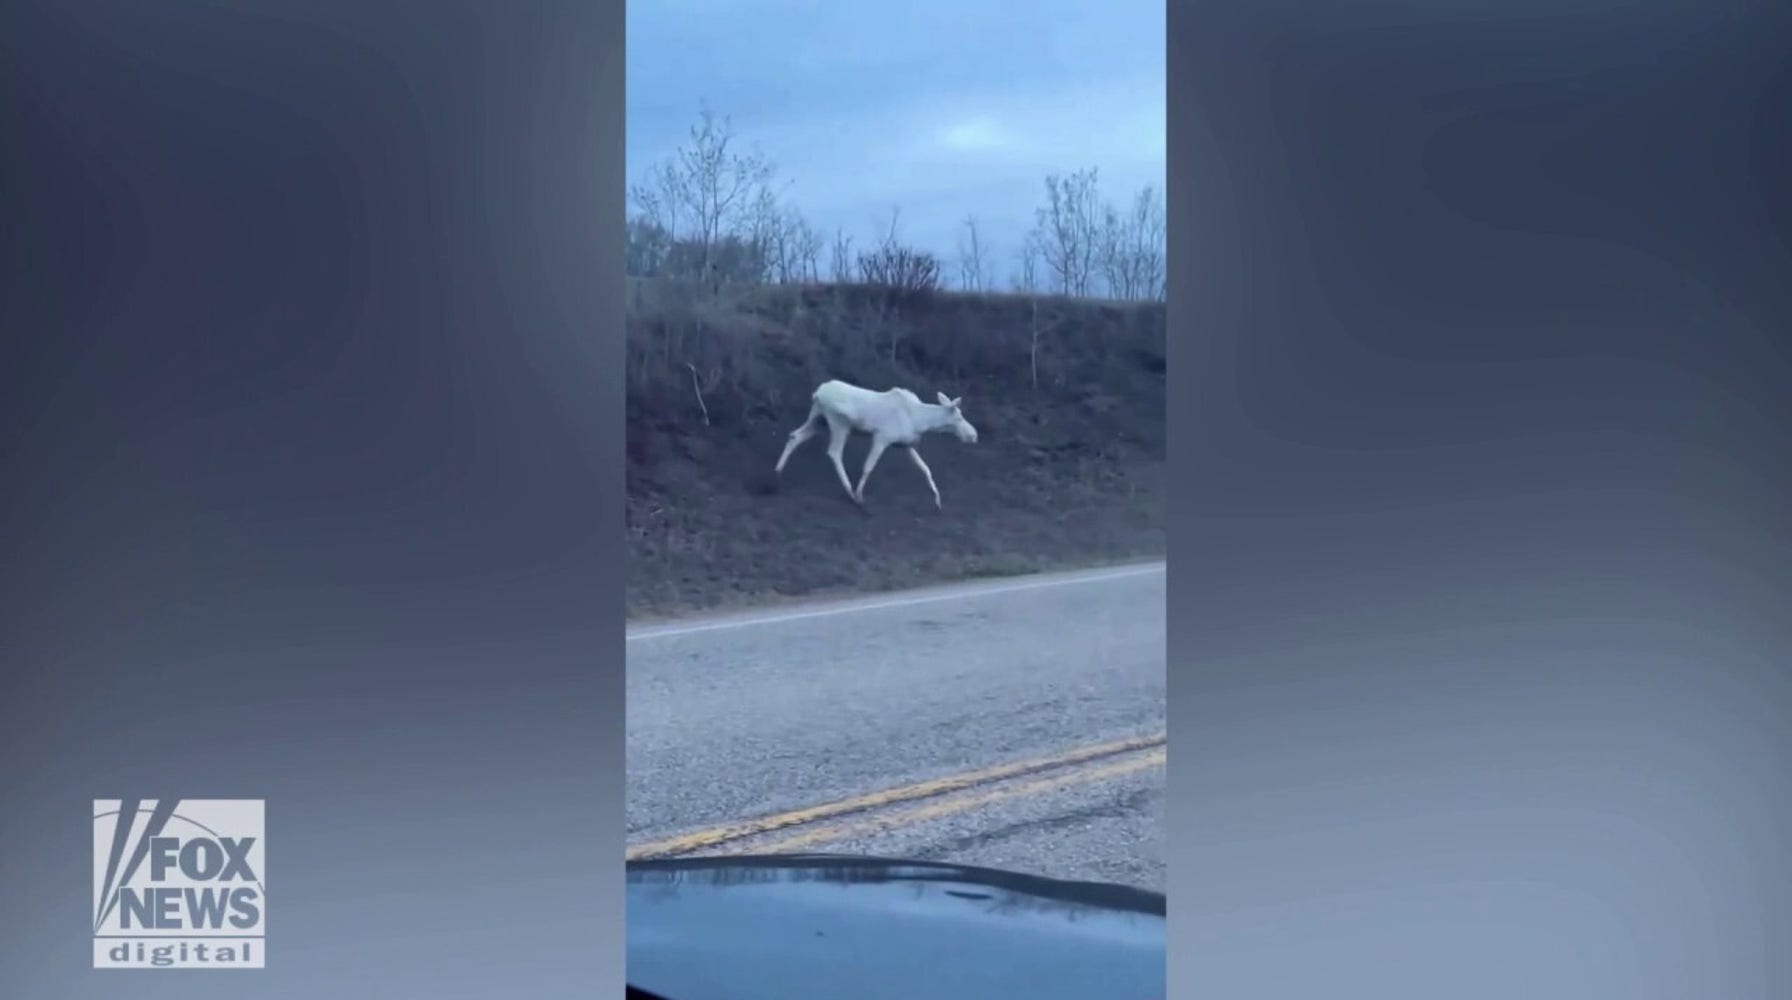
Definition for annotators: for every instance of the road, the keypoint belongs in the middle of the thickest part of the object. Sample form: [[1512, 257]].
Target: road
[[1016, 723]]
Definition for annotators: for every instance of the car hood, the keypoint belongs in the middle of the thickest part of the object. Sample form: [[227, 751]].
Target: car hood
[[825, 925]]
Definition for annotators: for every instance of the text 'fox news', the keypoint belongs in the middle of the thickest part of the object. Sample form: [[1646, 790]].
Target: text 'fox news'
[[177, 884]]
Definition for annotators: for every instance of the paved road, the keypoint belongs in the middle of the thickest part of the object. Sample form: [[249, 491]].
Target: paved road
[[1017, 724]]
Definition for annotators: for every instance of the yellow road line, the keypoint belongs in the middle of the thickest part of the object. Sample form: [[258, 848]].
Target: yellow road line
[[699, 839], [884, 822]]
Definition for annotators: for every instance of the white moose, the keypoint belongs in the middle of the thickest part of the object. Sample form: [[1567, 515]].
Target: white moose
[[892, 417]]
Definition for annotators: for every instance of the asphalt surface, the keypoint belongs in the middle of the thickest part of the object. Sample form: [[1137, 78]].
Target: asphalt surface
[[732, 720]]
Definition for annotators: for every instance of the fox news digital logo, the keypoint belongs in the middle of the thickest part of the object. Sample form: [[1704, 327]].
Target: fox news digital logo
[[177, 884]]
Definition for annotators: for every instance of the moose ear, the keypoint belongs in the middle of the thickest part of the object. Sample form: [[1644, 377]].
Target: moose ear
[[944, 400], [957, 401]]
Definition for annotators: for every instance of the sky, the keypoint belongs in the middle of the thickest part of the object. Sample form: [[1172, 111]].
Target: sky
[[944, 108]]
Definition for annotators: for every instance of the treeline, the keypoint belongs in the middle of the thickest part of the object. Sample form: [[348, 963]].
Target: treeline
[[715, 211]]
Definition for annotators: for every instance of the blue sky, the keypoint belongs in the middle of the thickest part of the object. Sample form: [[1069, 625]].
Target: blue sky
[[943, 107]]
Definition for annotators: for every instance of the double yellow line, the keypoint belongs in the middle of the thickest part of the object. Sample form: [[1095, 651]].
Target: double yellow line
[[1137, 754]]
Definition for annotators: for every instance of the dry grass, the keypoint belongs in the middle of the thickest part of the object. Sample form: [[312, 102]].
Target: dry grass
[[1069, 469]]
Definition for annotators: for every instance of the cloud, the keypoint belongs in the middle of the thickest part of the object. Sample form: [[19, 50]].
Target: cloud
[[943, 107], [974, 135]]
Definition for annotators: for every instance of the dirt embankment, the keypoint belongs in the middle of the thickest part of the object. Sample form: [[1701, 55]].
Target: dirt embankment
[[1067, 397]]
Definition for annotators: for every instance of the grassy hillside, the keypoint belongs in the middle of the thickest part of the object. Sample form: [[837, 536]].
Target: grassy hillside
[[1068, 471]]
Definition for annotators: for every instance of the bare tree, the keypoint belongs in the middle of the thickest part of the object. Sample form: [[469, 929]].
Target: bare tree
[[841, 257], [712, 210], [898, 266], [1026, 277], [1112, 256], [1151, 228], [889, 237], [659, 197], [1068, 230], [783, 237], [649, 246], [790, 246], [805, 249], [707, 190], [970, 257], [1132, 247], [732, 260], [762, 227]]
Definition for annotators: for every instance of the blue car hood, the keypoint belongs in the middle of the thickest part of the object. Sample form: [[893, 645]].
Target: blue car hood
[[788, 927]]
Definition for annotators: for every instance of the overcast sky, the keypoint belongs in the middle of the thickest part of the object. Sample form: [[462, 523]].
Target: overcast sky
[[943, 107]]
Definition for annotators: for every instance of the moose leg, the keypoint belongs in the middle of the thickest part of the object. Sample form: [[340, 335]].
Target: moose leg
[[797, 437], [837, 435], [878, 445], [925, 471]]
